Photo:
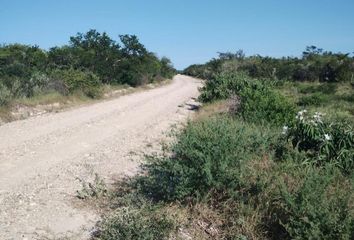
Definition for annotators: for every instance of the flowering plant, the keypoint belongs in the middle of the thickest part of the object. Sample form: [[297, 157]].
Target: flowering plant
[[323, 141]]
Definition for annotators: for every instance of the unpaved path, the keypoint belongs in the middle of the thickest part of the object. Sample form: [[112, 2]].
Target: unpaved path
[[41, 158]]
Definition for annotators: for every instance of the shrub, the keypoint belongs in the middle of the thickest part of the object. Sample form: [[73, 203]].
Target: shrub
[[220, 87], [25, 86], [209, 155], [259, 103], [75, 80], [319, 208], [29, 87], [5, 95]]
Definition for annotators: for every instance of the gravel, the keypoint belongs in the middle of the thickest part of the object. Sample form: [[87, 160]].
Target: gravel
[[42, 158]]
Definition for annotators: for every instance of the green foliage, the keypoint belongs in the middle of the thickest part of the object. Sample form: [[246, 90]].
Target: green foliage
[[325, 88], [93, 57], [75, 80], [315, 64], [5, 95], [19, 87], [167, 69], [259, 103], [316, 99], [227, 166], [95, 52], [323, 141], [209, 155], [221, 87], [319, 208], [21, 60], [199, 71], [94, 189]]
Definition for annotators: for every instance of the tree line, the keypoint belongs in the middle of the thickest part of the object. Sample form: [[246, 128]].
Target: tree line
[[87, 61], [315, 64]]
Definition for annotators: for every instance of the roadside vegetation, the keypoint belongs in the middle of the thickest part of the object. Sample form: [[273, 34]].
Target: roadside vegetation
[[267, 157], [82, 69]]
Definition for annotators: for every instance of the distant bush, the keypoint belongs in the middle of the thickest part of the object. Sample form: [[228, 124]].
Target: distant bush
[[314, 65], [5, 95], [37, 83], [221, 86], [75, 80], [259, 103]]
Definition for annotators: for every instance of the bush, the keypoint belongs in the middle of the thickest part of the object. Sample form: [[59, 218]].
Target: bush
[[223, 85], [75, 80], [25, 86], [319, 208], [209, 155], [259, 103], [5, 95], [29, 87]]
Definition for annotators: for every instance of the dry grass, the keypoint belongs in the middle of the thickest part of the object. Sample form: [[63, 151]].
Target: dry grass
[[210, 109], [55, 102], [339, 96]]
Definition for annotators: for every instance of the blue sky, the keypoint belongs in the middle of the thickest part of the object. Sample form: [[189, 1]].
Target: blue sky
[[187, 31]]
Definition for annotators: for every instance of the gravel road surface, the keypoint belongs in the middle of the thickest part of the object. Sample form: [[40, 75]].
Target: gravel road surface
[[42, 158]]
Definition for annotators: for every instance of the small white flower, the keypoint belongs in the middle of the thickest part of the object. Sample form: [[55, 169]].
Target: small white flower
[[318, 117], [327, 137], [285, 130], [313, 122], [300, 115]]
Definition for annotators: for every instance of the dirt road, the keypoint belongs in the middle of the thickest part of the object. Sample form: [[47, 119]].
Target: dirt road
[[41, 158]]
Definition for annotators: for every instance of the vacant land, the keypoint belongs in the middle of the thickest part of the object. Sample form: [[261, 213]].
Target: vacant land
[[269, 156], [45, 158]]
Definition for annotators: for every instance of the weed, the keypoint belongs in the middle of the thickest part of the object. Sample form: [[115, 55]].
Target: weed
[[94, 189]]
